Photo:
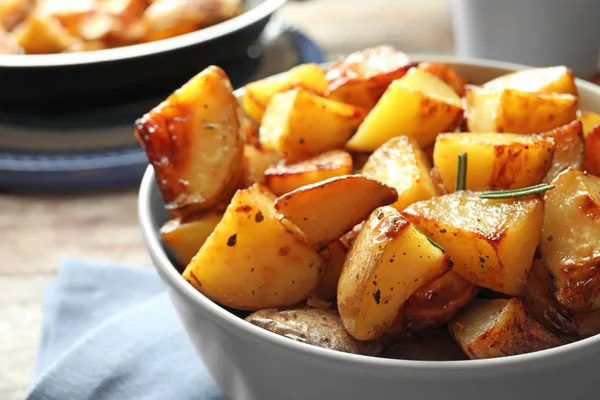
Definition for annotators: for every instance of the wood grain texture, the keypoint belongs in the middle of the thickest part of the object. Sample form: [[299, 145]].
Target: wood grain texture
[[38, 231]]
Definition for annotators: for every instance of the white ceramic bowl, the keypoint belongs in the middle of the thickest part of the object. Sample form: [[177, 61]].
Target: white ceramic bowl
[[250, 363]]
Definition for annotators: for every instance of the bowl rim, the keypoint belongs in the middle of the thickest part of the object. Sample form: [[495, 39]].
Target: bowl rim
[[247, 18], [228, 320]]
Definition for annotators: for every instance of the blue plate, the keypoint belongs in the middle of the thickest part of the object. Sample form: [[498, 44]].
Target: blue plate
[[98, 151]]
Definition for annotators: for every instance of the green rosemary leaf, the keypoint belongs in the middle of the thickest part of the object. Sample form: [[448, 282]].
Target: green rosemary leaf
[[509, 194], [461, 173], [433, 243]]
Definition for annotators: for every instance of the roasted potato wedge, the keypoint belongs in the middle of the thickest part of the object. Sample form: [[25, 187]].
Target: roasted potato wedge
[[314, 326], [389, 261], [569, 149], [300, 125], [492, 242], [361, 78], [284, 178], [257, 95], [592, 151], [185, 238], [570, 234], [429, 106], [42, 34], [433, 304], [13, 12], [499, 328], [229, 270], [495, 160], [193, 141], [316, 208], [335, 256], [401, 163], [589, 120], [557, 79], [432, 345], [509, 110], [447, 74]]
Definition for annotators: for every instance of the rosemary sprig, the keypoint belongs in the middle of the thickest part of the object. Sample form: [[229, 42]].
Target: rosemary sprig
[[509, 194], [461, 173], [433, 243]]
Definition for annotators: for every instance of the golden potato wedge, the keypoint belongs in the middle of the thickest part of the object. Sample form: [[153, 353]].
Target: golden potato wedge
[[569, 149], [335, 256], [185, 238], [361, 78], [570, 237], [254, 258], [300, 125], [557, 79], [193, 141], [430, 345], [447, 74], [589, 120], [592, 151], [314, 326], [284, 178], [401, 163], [509, 110], [13, 12], [326, 210], [257, 95], [433, 304], [429, 106], [495, 160], [42, 34], [499, 328], [389, 261], [492, 242]]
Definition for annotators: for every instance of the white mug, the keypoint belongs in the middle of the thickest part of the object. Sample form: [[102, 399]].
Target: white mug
[[532, 32]]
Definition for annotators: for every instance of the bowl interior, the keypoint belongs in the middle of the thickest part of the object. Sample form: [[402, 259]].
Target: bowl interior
[[153, 215]]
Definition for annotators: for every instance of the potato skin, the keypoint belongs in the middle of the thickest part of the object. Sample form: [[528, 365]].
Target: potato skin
[[492, 242], [284, 178], [229, 270], [316, 208], [319, 327], [361, 78], [193, 141], [499, 328], [571, 254]]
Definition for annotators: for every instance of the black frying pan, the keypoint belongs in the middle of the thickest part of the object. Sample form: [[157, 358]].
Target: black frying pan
[[78, 81]]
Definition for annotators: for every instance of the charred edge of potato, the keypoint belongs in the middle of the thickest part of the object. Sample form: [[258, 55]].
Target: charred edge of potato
[[582, 285], [592, 151]]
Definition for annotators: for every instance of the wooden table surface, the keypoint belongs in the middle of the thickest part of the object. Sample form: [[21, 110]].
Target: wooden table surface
[[38, 230]]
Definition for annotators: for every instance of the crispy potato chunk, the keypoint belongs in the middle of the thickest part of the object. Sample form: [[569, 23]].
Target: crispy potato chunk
[[257, 95], [301, 125], [42, 34], [185, 238], [230, 269], [314, 326], [433, 304], [509, 110], [557, 79], [592, 151], [447, 74], [389, 261], [589, 120], [499, 328], [13, 12], [335, 256], [430, 345], [284, 178], [361, 78], [193, 141], [492, 242], [401, 163], [429, 106], [326, 210], [569, 150], [570, 237], [495, 160]]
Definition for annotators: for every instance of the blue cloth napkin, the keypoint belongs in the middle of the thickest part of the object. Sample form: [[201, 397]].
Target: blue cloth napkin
[[110, 333]]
